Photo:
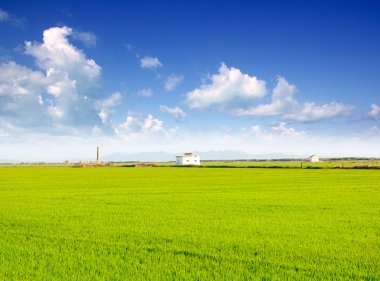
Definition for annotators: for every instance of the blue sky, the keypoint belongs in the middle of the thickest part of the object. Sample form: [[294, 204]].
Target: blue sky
[[290, 77]]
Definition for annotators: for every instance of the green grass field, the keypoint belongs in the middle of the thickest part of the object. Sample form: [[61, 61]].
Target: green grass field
[[62, 223], [368, 163]]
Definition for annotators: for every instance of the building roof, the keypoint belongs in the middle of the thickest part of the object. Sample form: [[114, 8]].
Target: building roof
[[187, 155]]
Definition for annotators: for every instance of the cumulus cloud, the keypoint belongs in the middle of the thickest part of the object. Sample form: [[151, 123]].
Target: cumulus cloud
[[285, 104], [375, 112], [20, 90], [151, 124], [227, 89], [17, 80], [57, 56], [176, 112], [60, 93], [139, 125], [282, 101], [150, 62], [71, 76], [172, 81], [146, 93]]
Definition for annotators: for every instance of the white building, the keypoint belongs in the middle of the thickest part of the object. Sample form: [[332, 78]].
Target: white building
[[314, 158], [188, 159]]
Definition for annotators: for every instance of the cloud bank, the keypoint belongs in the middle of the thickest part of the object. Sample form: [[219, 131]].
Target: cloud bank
[[285, 105], [236, 93]]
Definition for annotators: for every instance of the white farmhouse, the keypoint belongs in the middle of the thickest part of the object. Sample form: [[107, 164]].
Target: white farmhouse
[[314, 158], [188, 159]]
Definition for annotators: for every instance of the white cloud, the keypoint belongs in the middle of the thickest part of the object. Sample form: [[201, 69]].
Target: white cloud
[[106, 106], [172, 81], [310, 112], [19, 95], [227, 89], [152, 124], [104, 115], [60, 93], [112, 101], [286, 105], [132, 123], [139, 125], [57, 56], [17, 80], [375, 112], [87, 38], [145, 93], [70, 74], [282, 131], [286, 131], [150, 62], [61, 85], [55, 112], [176, 112], [282, 101]]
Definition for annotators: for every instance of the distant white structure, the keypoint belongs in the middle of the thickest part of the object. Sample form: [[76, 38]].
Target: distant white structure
[[188, 159], [314, 158]]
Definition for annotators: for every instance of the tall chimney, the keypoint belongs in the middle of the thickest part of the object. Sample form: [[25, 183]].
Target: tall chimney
[[97, 155]]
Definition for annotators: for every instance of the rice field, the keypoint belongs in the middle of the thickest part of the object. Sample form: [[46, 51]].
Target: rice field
[[164, 223]]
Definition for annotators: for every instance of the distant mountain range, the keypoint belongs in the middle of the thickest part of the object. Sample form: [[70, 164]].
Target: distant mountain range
[[161, 156], [7, 161], [158, 156]]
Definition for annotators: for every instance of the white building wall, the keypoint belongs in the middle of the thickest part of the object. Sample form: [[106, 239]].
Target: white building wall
[[314, 158], [182, 160]]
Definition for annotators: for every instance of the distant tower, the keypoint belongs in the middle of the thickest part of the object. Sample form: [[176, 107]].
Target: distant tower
[[97, 155]]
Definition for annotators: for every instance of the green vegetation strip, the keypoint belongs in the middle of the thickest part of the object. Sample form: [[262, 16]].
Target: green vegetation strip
[[114, 223]]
